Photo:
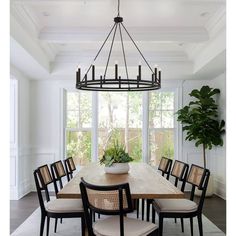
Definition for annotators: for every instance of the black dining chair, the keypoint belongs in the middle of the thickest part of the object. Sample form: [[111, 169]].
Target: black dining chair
[[58, 172], [114, 201], [164, 167], [179, 172], [198, 177], [55, 208], [69, 167]]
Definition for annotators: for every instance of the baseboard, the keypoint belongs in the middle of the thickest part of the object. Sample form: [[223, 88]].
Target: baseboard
[[220, 188]]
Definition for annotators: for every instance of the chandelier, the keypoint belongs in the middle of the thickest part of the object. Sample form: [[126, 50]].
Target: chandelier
[[92, 82]]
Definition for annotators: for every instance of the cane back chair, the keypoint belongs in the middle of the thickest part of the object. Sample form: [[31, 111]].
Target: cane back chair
[[56, 208], [114, 200], [198, 177], [70, 167]]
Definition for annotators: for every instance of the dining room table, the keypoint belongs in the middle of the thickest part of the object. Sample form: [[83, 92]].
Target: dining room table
[[145, 182]]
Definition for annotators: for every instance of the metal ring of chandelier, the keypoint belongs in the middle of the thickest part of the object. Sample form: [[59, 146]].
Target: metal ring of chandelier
[[102, 83]]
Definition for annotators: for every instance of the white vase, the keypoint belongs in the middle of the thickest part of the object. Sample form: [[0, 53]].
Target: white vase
[[117, 168]]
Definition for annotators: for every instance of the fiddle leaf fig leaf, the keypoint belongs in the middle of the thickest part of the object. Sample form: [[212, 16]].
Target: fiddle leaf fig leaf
[[200, 119]]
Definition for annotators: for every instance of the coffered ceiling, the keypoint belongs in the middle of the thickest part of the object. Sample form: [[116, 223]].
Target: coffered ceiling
[[58, 35]]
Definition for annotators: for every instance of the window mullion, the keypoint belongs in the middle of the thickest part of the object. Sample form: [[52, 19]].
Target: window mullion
[[94, 141], [145, 133]]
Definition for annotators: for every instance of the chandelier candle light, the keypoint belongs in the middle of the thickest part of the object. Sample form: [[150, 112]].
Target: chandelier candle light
[[102, 83]]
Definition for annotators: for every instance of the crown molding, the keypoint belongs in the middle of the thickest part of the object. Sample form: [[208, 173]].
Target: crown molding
[[217, 22], [39, 2], [29, 23]]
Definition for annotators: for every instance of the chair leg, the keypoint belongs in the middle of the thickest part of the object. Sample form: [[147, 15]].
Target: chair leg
[[55, 226], [143, 203], [182, 224], [94, 216], [61, 220], [148, 209], [137, 207], [160, 229], [175, 220], [191, 225], [42, 224], [83, 226], [48, 224], [153, 215], [99, 216], [199, 217]]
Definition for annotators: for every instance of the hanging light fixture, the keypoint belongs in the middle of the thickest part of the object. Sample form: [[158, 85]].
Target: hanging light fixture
[[103, 83]]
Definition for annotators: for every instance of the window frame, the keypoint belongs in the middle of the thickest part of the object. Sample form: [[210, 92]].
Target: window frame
[[145, 123], [174, 91]]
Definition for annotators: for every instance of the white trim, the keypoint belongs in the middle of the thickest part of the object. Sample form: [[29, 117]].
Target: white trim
[[178, 126], [14, 149], [145, 127], [63, 101], [94, 143]]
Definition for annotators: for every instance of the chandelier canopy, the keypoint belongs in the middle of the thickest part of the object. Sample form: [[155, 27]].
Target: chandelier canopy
[[103, 83]]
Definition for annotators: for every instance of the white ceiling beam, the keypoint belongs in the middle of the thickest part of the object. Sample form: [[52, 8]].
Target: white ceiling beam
[[170, 70], [40, 2], [133, 58], [149, 34], [30, 45]]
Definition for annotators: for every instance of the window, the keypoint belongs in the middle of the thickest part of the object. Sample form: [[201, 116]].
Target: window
[[120, 119], [78, 127], [161, 126]]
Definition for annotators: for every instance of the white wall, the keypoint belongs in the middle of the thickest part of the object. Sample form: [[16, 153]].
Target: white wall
[[23, 155], [218, 154]]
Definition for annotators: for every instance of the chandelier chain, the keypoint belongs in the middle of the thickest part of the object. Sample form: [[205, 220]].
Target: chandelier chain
[[137, 48], [123, 50], [118, 7], [108, 59], [99, 50]]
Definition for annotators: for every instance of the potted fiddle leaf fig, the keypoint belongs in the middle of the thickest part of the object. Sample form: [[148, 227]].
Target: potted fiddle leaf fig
[[200, 120], [116, 159]]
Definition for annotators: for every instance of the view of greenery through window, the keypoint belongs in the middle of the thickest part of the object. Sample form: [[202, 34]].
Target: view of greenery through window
[[78, 127], [120, 118], [161, 126]]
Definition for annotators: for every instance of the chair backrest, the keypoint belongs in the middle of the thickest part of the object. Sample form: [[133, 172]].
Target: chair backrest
[[180, 172], [42, 179], [58, 172], [198, 177], [107, 200], [165, 166], [70, 167]]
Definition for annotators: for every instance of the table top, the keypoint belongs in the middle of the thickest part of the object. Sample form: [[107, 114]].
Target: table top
[[145, 182]]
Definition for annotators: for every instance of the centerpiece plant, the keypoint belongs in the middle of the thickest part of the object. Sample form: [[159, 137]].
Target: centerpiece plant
[[200, 120], [115, 154]]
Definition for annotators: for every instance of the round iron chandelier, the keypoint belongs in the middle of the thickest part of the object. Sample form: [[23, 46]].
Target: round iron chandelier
[[92, 82]]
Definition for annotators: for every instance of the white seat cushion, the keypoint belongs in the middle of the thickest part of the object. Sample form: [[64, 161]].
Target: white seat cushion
[[132, 227], [176, 205], [64, 205]]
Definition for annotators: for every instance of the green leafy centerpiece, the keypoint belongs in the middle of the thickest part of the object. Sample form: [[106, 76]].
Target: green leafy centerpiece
[[116, 159]]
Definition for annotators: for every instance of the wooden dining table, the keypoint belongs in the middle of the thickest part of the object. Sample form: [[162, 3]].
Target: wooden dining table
[[144, 181]]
